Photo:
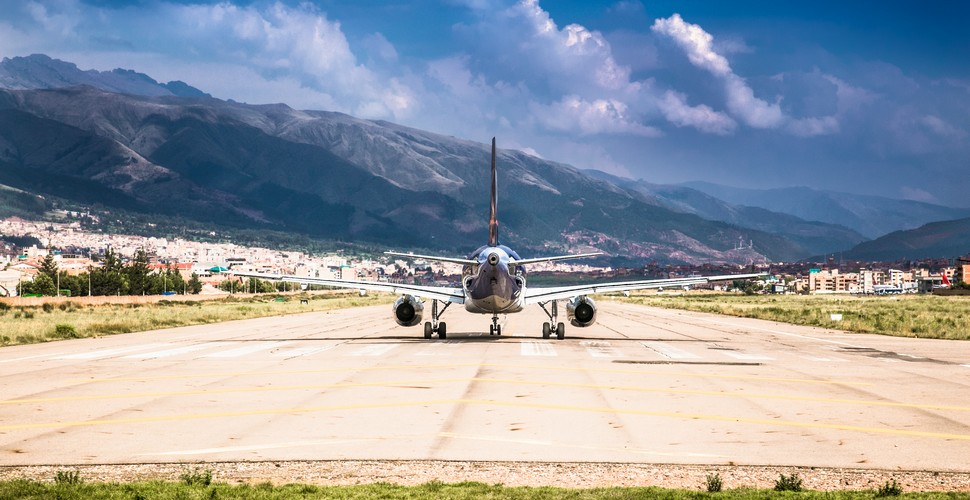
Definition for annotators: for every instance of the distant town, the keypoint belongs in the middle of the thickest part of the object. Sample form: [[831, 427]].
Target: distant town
[[210, 267]]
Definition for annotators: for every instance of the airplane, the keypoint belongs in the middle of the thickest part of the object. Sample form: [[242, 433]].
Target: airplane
[[494, 282]]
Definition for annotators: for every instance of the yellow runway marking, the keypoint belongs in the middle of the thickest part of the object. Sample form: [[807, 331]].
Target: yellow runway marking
[[649, 413], [475, 365], [425, 383]]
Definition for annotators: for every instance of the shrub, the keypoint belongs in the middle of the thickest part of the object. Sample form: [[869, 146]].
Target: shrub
[[714, 483], [196, 477], [71, 477], [890, 489], [65, 331], [48, 307], [788, 483]]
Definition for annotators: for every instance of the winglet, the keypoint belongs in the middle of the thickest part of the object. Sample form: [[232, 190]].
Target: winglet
[[492, 217]]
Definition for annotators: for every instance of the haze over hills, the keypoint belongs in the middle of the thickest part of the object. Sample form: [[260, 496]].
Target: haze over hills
[[871, 216], [943, 239], [334, 176], [813, 236]]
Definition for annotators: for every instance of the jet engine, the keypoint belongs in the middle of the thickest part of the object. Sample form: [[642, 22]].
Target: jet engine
[[581, 311], [408, 310]]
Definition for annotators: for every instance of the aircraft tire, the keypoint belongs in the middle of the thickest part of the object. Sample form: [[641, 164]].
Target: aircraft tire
[[427, 330], [498, 329], [560, 331], [546, 330], [442, 331]]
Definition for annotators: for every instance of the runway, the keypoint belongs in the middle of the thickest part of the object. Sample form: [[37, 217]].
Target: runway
[[643, 385]]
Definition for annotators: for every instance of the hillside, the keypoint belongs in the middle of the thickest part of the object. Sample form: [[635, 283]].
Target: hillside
[[937, 239]]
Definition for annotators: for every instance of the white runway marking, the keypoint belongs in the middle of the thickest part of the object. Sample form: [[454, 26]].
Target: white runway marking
[[175, 351], [601, 349], [669, 351], [303, 351], [535, 348], [104, 353], [248, 349], [374, 350], [746, 357], [824, 359], [25, 358]]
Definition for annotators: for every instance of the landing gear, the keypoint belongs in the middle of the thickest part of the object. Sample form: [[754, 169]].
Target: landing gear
[[553, 324], [434, 326], [495, 328]]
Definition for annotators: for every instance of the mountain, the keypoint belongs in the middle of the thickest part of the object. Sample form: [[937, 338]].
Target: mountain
[[39, 71], [871, 216], [332, 176], [937, 239], [811, 237], [120, 139]]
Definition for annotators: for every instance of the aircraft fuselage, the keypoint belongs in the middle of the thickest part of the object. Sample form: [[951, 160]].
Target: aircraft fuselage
[[491, 286]]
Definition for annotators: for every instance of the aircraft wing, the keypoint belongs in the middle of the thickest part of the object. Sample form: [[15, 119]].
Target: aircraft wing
[[536, 295], [448, 294]]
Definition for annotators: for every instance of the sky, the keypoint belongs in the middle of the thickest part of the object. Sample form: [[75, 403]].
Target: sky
[[857, 97]]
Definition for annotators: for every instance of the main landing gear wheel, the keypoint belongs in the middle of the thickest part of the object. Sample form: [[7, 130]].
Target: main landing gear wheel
[[434, 326], [552, 325], [430, 330]]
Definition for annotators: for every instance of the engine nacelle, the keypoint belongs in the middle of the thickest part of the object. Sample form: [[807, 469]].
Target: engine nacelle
[[581, 311], [408, 310]]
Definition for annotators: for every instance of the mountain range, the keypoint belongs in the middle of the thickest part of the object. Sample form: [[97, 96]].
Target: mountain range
[[120, 139]]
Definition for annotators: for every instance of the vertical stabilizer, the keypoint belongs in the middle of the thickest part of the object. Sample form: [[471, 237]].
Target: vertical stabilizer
[[492, 216]]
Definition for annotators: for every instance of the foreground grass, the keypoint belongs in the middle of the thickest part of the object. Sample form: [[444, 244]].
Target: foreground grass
[[435, 490], [924, 316], [28, 325]]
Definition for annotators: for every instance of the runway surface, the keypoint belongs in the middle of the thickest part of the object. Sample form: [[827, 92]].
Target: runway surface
[[642, 385]]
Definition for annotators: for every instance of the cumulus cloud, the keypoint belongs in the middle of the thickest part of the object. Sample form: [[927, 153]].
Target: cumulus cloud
[[599, 116], [740, 100], [676, 110]]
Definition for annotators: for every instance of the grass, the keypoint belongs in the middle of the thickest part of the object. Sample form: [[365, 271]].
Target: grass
[[28, 325], [28, 489], [923, 316]]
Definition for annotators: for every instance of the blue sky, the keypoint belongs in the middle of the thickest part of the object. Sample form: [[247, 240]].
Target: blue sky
[[867, 97]]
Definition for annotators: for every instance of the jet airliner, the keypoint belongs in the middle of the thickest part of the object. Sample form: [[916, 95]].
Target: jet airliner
[[494, 282]]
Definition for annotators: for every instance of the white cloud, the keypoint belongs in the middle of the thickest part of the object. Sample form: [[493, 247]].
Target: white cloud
[[600, 116], [740, 100], [811, 127], [697, 43], [940, 127], [676, 110]]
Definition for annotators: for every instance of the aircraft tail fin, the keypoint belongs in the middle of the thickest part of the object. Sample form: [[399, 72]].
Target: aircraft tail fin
[[946, 280], [493, 217]]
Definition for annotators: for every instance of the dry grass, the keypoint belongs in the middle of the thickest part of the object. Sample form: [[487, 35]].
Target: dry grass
[[33, 324], [924, 316]]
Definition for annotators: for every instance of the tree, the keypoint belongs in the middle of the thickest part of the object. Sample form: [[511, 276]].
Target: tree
[[49, 267], [43, 284], [194, 286], [139, 282], [109, 279]]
